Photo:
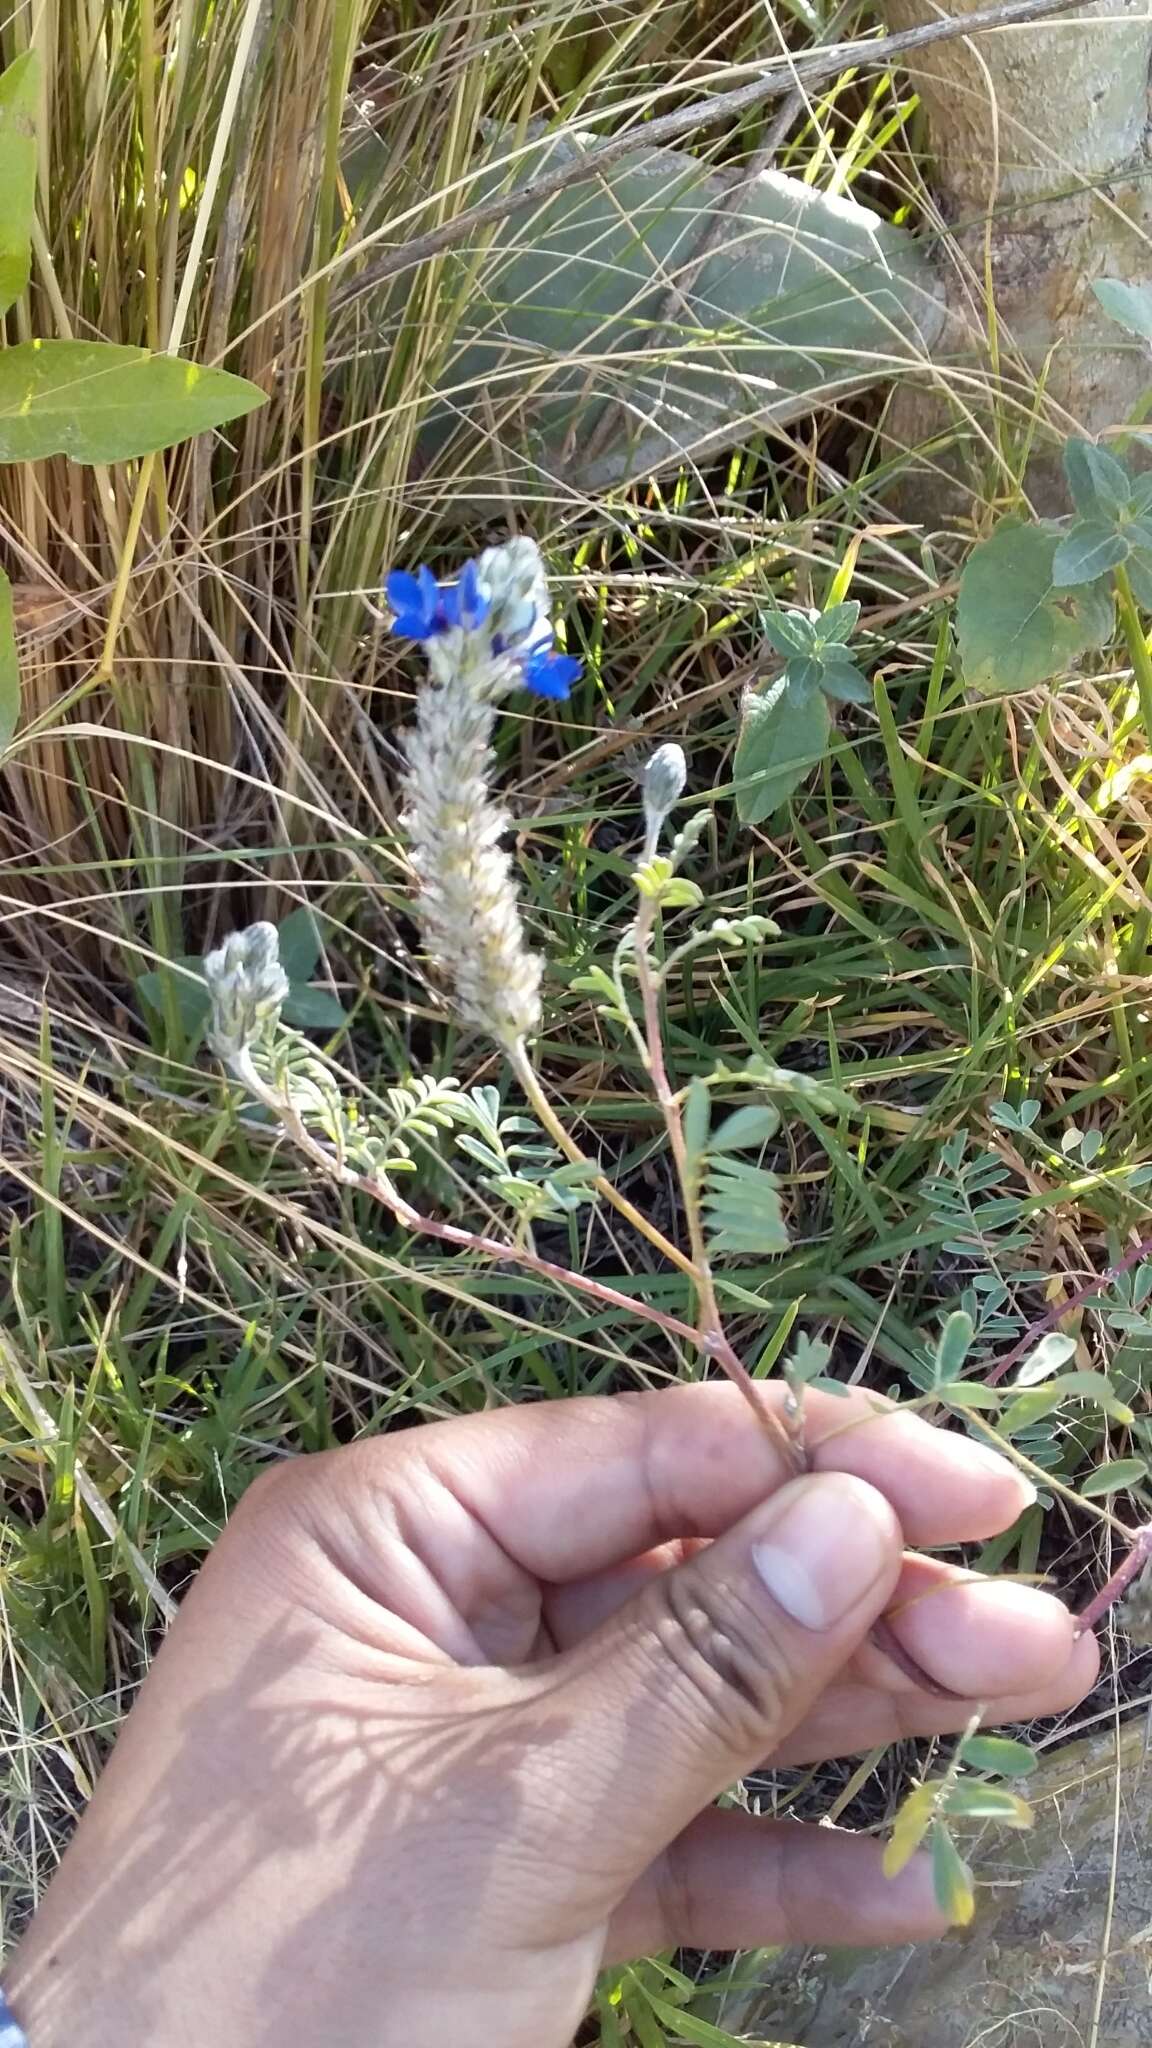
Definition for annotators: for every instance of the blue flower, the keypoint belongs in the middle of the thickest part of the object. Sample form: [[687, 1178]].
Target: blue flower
[[548, 673], [422, 607]]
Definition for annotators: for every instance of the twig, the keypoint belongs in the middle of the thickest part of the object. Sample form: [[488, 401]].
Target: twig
[[1060, 1309], [787, 77]]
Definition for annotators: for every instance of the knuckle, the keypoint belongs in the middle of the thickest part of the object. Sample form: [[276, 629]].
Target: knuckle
[[725, 1652]]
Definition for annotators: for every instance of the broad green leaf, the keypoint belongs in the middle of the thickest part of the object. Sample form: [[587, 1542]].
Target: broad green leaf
[[844, 681], [1100, 485], [951, 1879], [804, 675], [788, 632], [1016, 629], [783, 734], [952, 1348], [1110, 1478], [566, 312], [1130, 305], [968, 1801], [97, 402], [1000, 1754], [745, 1128], [838, 623], [1142, 493], [9, 665], [1088, 550], [313, 1009], [190, 993], [1049, 1355], [298, 937], [19, 105], [909, 1828]]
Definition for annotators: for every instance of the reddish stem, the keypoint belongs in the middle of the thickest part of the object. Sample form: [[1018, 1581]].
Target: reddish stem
[[1060, 1309], [1115, 1587]]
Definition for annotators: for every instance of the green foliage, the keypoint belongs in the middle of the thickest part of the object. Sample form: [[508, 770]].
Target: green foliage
[[1017, 628], [181, 981], [1130, 305], [1111, 1478], [96, 402], [1000, 1754], [785, 726], [19, 101], [741, 1208]]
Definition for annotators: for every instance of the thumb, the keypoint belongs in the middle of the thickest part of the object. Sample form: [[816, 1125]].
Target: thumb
[[695, 1681]]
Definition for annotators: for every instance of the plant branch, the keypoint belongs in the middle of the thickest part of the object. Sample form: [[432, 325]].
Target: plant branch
[[381, 1190], [782, 79], [529, 1080], [712, 1332], [1117, 1585], [1060, 1309]]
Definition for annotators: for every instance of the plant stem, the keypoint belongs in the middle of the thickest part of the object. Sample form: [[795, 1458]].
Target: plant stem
[[530, 1081], [1117, 1585], [789, 1436], [381, 1190], [1060, 1309], [1137, 646]]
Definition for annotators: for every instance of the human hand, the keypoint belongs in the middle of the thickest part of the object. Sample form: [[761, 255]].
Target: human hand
[[439, 1725]]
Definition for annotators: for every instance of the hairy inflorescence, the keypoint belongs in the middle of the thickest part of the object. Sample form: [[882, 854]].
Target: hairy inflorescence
[[487, 634]]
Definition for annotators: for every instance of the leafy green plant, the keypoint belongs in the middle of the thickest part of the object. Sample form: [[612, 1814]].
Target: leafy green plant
[[92, 401], [785, 724], [181, 981]]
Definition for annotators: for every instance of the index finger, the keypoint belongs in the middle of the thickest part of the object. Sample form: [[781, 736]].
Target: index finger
[[574, 1486]]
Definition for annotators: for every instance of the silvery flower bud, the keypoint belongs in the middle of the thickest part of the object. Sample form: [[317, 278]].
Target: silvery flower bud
[[512, 576], [247, 985], [662, 782]]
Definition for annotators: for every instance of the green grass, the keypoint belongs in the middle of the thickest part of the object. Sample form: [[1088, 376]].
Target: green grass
[[961, 890]]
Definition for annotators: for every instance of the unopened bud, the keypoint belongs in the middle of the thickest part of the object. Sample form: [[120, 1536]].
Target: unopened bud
[[662, 782], [247, 985]]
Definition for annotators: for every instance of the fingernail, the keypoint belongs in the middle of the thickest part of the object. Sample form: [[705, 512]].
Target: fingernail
[[832, 1539], [991, 1461]]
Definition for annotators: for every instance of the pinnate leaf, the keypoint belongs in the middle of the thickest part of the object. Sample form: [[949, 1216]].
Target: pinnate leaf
[[97, 402], [741, 1208]]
